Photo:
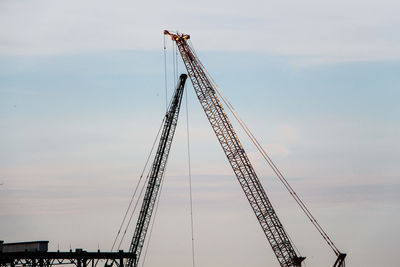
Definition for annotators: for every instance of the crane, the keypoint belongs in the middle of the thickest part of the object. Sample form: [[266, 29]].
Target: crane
[[157, 172], [237, 156], [271, 225]]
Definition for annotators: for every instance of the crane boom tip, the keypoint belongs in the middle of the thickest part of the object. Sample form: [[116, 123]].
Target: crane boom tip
[[177, 36]]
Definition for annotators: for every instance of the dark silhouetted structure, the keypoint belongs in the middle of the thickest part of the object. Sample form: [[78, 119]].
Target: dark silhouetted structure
[[35, 254]]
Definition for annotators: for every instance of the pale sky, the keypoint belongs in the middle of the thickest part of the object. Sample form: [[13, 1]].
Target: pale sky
[[82, 96]]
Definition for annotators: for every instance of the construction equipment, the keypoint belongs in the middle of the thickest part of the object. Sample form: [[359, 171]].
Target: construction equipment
[[157, 172], [207, 95]]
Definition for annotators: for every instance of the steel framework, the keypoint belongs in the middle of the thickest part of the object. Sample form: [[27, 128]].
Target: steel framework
[[237, 157], [157, 172], [79, 258]]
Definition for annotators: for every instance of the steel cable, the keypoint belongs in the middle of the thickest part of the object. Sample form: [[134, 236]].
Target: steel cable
[[216, 89], [135, 191], [165, 76], [190, 178], [153, 220], [269, 161], [276, 170]]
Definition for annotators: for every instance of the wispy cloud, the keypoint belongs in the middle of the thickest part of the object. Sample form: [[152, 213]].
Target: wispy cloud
[[312, 30]]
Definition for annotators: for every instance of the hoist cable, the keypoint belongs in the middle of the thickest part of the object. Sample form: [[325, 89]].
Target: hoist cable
[[190, 177], [153, 219], [279, 174], [173, 62], [270, 162], [176, 61], [141, 192], [216, 89], [275, 169], [133, 211], [135, 191], [165, 76], [162, 179]]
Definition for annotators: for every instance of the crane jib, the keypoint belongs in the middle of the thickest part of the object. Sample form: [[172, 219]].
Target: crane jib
[[206, 90], [237, 157], [157, 172]]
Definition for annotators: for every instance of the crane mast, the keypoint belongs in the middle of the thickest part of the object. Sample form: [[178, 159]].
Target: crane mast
[[237, 157], [157, 172]]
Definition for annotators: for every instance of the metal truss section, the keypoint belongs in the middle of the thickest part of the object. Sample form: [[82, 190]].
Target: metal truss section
[[340, 260], [157, 172], [78, 258], [236, 155]]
